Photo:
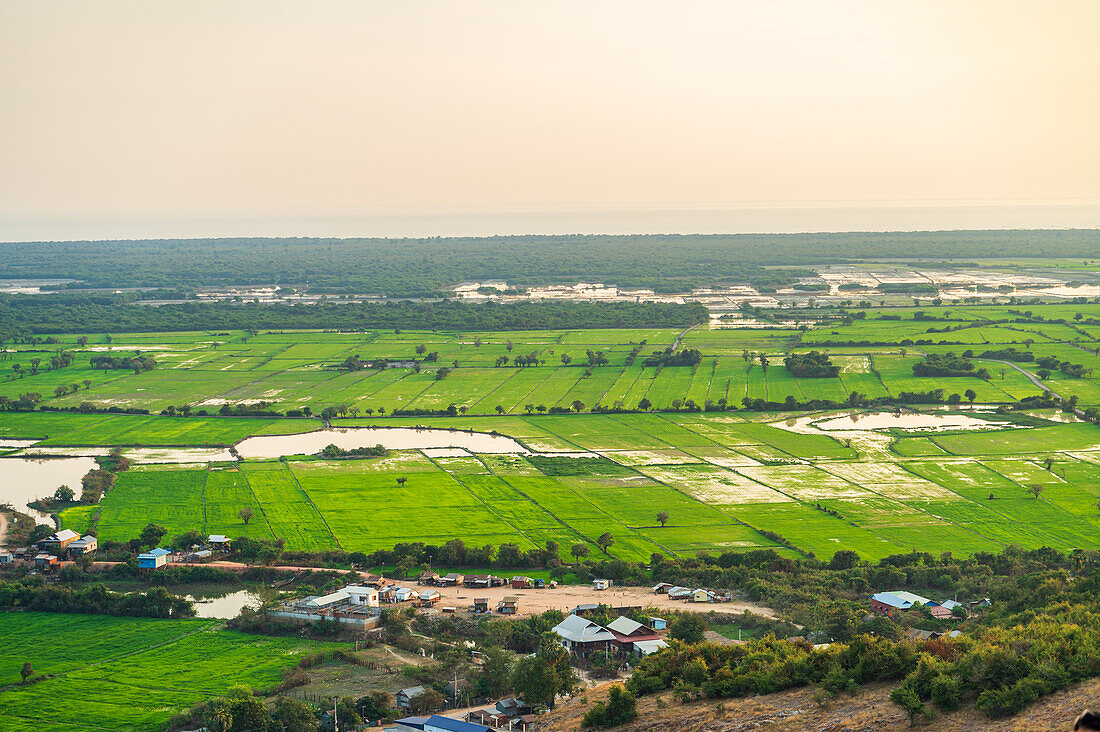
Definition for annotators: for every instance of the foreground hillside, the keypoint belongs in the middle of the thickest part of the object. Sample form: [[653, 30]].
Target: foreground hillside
[[868, 710]]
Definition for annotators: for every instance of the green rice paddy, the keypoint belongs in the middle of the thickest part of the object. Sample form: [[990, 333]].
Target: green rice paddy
[[724, 478], [127, 673]]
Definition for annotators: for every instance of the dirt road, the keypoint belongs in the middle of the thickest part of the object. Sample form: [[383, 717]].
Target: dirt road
[[533, 602]]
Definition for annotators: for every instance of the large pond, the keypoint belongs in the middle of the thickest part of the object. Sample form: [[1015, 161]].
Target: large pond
[[907, 421], [23, 480], [394, 438], [226, 606]]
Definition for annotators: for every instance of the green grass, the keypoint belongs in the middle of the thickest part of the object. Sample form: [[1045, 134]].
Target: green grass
[[128, 673]]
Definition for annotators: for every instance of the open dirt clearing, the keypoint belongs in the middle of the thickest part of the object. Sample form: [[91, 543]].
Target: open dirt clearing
[[567, 597]]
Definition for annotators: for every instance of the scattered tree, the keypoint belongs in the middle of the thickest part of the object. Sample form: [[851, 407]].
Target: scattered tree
[[245, 514], [605, 541], [662, 518]]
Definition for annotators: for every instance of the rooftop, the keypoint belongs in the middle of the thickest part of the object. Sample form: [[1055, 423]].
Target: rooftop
[[578, 630]]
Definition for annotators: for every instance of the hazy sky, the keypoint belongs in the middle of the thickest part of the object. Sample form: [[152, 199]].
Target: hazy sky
[[137, 110]]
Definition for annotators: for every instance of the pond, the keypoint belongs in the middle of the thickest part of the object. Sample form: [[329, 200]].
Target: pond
[[907, 421], [23, 480], [394, 438], [226, 606]]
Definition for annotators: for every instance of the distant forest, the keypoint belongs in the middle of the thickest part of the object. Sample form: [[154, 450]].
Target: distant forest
[[414, 267], [23, 315]]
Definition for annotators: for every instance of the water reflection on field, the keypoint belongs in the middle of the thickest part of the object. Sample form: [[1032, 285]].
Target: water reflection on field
[[394, 438]]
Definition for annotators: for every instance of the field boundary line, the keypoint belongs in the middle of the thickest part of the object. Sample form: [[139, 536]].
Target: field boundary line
[[553, 515], [202, 499], [523, 398], [810, 506], [515, 372], [207, 626], [630, 388], [482, 501], [271, 358], [259, 504], [989, 508], [313, 505], [939, 520], [614, 519]]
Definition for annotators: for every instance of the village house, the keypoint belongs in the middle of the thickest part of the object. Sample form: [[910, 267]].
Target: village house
[[508, 714], [582, 637], [481, 604], [939, 612], [46, 562], [521, 583], [680, 593], [602, 584], [662, 588], [428, 578], [220, 542], [630, 633], [428, 598], [888, 603], [405, 594], [84, 545], [657, 623], [352, 605], [702, 596], [436, 723], [6, 557], [508, 605], [153, 559], [480, 581], [452, 579], [403, 699], [57, 543]]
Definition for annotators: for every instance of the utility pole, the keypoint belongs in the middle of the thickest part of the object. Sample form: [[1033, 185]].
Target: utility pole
[[335, 717]]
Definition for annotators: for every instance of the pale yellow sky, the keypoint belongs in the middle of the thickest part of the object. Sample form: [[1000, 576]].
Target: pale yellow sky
[[142, 108]]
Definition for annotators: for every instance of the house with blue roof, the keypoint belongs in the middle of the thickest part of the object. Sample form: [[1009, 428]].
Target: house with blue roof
[[888, 603], [153, 559], [436, 723]]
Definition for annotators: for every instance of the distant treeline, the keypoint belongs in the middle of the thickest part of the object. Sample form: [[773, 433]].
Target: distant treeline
[[22, 315], [415, 267]]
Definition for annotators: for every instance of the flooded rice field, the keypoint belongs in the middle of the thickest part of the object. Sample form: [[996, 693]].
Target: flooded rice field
[[906, 421], [393, 438], [24, 480]]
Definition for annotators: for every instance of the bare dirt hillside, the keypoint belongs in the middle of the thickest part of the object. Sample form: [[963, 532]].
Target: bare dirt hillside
[[870, 710]]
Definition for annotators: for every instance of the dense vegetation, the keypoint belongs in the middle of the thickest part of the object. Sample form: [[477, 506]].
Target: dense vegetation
[[415, 266], [812, 365], [22, 315], [948, 364], [1042, 633]]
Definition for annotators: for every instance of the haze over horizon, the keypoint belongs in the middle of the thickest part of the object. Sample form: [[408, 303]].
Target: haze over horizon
[[126, 119]]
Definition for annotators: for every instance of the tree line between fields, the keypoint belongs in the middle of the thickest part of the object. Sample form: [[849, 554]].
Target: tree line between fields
[[29, 315]]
